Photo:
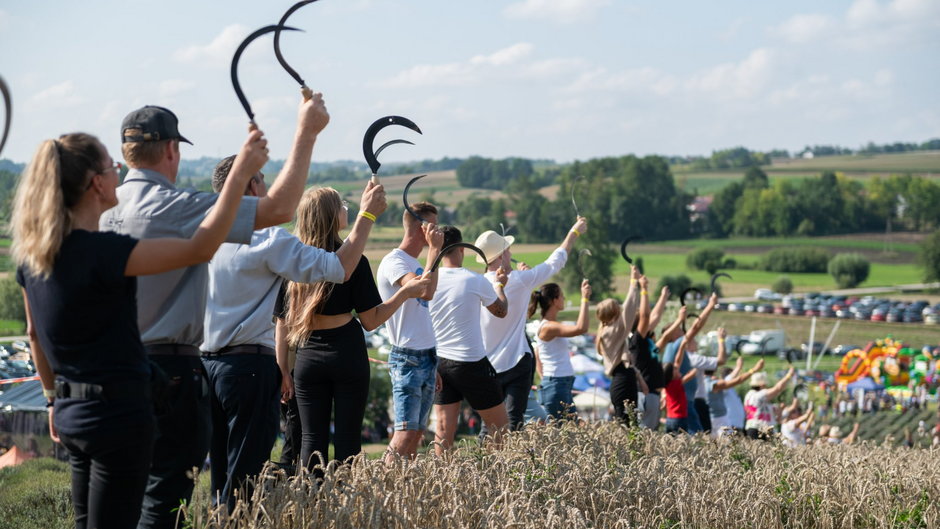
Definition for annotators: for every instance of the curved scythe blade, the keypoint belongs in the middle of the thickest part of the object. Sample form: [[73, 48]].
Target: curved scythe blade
[[238, 54], [388, 143], [374, 129], [277, 48], [404, 195], [623, 247], [580, 261], [8, 104], [715, 279], [574, 186], [682, 301], [444, 252]]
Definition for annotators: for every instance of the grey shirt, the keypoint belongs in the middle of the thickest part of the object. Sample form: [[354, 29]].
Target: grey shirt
[[170, 306], [244, 281]]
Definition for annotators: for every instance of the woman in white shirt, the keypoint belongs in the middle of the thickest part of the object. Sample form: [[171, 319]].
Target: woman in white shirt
[[552, 339]]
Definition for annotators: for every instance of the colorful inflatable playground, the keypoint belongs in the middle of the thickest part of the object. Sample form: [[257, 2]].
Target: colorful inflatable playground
[[889, 365]]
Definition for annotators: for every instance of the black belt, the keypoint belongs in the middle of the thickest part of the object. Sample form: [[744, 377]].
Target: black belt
[[242, 349], [171, 349], [106, 392]]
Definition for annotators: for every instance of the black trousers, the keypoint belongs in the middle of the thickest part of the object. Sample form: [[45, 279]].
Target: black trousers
[[109, 474], [623, 392], [516, 383], [290, 453], [184, 424], [704, 414], [245, 401], [331, 377]]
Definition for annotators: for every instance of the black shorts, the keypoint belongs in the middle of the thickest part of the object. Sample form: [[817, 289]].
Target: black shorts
[[474, 381]]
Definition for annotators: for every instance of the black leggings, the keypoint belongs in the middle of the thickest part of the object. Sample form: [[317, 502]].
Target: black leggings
[[623, 387], [332, 376]]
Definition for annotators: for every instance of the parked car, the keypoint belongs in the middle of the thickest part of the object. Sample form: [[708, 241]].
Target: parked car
[[763, 342], [817, 348], [765, 294]]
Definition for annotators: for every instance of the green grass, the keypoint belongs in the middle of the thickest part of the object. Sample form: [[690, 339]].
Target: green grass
[[763, 242], [36, 495], [12, 328]]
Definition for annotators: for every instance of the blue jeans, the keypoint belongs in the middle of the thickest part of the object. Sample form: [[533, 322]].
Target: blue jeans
[[693, 424], [556, 396], [534, 412], [677, 425], [414, 376]]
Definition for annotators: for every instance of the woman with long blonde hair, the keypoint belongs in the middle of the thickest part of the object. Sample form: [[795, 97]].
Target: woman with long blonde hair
[[331, 374], [79, 287]]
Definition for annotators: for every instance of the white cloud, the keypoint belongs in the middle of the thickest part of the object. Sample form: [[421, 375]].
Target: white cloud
[[733, 29], [742, 79], [804, 28], [562, 11], [473, 71], [218, 51], [5, 19], [62, 95]]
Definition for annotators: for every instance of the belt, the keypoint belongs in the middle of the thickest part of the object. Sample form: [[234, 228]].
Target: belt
[[105, 392], [171, 349], [242, 349]]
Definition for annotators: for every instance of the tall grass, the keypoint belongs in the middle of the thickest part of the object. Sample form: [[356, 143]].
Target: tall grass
[[606, 475]]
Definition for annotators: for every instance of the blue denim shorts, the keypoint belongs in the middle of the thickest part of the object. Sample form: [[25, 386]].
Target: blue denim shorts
[[414, 373]]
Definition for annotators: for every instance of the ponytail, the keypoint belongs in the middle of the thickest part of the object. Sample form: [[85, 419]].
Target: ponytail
[[543, 298], [49, 188]]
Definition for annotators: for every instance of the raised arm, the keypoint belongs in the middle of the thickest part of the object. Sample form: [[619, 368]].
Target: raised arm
[[435, 239], [722, 348], [373, 202], [782, 383], [673, 331], [643, 317], [380, 313], [702, 318], [280, 204], [658, 310], [579, 228], [553, 329], [154, 256], [628, 311], [500, 307], [737, 379]]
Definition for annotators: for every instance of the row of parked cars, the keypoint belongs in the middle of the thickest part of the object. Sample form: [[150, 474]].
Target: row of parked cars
[[14, 368], [867, 308]]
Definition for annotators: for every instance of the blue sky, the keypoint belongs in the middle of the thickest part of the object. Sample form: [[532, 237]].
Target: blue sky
[[561, 79]]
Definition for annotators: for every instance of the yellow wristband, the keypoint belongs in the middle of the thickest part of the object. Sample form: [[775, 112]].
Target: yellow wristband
[[575, 232], [501, 285], [633, 281], [644, 292], [48, 393], [585, 300], [367, 215], [721, 340]]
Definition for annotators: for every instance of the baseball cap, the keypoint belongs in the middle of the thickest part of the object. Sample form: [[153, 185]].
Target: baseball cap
[[155, 124], [493, 245]]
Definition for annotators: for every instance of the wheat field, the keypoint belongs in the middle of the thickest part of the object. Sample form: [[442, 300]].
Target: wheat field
[[605, 475]]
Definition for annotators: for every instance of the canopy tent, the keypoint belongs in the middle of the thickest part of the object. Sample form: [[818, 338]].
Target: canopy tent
[[582, 364], [26, 396], [865, 384], [592, 398]]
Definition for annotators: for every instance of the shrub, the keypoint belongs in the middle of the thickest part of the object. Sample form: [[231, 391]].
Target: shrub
[[849, 269], [782, 285], [929, 257], [708, 259], [676, 284], [11, 300], [795, 260]]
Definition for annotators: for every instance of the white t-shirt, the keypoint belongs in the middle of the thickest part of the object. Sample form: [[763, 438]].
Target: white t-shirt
[[455, 313], [504, 338], [735, 416], [555, 355], [702, 364], [410, 326]]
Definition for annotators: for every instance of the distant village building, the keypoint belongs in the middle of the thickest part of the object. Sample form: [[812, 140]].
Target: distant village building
[[698, 209]]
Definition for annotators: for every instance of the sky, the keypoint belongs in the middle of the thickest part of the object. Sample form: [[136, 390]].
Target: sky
[[559, 79]]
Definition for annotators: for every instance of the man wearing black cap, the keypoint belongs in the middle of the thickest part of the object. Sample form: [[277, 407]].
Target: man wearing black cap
[[171, 306]]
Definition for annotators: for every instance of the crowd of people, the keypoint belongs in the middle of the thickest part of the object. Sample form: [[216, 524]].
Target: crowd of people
[[166, 324]]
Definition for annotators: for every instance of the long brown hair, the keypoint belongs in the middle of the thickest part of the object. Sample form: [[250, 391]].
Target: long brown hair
[[50, 187], [317, 225]]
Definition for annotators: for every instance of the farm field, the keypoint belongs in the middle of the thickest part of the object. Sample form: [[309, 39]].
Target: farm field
[[572, 476]]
